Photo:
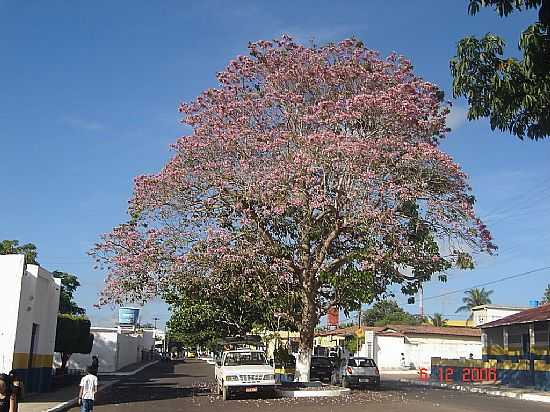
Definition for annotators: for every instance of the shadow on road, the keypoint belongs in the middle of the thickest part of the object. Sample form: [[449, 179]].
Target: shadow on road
[[160, 382]]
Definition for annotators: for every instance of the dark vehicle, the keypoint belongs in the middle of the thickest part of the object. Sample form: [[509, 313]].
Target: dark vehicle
[[356, 372], [321, 368]]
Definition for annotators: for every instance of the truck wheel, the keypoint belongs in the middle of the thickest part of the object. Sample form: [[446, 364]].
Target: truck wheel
[[225, 395]]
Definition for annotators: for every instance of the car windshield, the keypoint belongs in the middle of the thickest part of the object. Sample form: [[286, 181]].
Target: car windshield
[[244, 358], [321, 362], [361, 363]]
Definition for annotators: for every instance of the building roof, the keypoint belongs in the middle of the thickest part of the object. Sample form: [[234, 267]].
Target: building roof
[[350, 330], [492, 306], [537, 314], [432, 330], [404, 330]]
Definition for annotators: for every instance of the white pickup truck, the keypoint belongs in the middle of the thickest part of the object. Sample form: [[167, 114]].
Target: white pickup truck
[[244, 371]]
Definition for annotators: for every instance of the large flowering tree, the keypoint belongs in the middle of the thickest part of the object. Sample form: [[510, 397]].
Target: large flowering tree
[[313, 173]]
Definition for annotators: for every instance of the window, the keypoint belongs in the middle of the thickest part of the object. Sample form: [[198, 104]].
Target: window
[[321, 362], [361, 363], [244, 358]]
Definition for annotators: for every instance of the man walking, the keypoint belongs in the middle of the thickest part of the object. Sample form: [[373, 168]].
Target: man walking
[[88, 389]]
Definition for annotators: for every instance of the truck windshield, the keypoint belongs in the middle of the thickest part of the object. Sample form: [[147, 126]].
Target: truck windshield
[[244, 358]]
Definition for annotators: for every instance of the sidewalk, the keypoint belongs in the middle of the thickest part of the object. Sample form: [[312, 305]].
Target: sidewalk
[[68, 396], [525, 394]]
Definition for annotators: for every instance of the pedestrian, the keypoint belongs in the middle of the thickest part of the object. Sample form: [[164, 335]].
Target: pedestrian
[[88, 389], [8, 401], [471, 356], [16, 387], [403, 364], [95, 365]]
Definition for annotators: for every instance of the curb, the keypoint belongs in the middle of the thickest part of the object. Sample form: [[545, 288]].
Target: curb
[[311, 394], [533, 397], [72, 402], [131, 372]]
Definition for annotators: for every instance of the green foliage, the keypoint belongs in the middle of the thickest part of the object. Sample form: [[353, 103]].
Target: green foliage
[[386, 312], [201, 313], [69, 284], [9, 247], [438, 320], [73, 334], [282, 356], [475, 297], [546, 297], [514, 94], [352, 343]]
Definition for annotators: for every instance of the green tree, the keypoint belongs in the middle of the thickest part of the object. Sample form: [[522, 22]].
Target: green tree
[[9, 247], [205, 310], [546, 297], [72, 336], [69, 284], [513, 93], [474, 297], [438, 320], [385, 312]]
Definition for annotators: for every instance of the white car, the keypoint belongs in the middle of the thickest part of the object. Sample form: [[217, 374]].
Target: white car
[[244, 371]]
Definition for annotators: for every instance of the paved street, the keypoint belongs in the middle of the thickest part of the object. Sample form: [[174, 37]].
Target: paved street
[[187, 387]]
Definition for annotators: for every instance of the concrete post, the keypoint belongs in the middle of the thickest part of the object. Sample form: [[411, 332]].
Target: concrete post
[[505, 338]]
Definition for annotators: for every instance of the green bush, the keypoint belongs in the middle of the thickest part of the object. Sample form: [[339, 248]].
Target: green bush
[[72, 336]]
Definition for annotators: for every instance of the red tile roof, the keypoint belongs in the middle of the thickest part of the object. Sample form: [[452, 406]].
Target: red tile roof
[[404, 330], [540, 313], [347, 331], [433, 330]]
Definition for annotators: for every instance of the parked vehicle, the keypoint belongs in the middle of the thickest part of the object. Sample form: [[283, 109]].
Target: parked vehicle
[[244, 371], [321, 368], [356, 372]]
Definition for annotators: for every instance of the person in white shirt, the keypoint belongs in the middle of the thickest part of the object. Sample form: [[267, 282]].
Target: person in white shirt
[[88, 389]]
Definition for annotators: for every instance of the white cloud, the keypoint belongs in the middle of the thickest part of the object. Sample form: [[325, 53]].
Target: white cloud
[[83, 124], [457, 117]]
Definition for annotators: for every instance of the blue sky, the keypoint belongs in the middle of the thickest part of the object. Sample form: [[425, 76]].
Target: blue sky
[[90, 92]]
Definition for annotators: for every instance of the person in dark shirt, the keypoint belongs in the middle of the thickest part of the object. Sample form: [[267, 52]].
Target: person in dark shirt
[[95, 365], [8, 401], [16, 388]]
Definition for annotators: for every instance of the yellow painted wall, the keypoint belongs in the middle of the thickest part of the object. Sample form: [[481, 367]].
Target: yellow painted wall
[[21, 361]]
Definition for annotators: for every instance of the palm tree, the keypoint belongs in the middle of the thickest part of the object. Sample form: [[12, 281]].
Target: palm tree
[[474, 297], [438, 320]]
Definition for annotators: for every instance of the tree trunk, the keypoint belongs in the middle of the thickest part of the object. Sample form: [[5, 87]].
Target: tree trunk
[[307, 333]]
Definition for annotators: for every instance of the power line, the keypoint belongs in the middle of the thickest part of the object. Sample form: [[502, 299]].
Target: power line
[[490, 283]]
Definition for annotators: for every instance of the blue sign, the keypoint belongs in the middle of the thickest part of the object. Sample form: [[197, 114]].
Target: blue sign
[[128, 316]]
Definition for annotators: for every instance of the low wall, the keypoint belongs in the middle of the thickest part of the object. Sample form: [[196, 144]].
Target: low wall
[[515, 373]]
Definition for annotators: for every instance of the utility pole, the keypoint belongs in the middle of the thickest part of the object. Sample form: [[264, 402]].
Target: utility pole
[[155, 331], [421, 299]]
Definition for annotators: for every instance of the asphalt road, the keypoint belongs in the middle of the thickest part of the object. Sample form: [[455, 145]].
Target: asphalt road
[[189, 386]]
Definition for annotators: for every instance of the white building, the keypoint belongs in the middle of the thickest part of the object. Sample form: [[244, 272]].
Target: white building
[[30, 302], [489, 313], [114, 350], [418, 344]]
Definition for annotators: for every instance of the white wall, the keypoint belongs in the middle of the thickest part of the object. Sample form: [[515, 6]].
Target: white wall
[[129, 350], [488, 314], [114, 351], [419, 349], [104, 347], [11, 272]]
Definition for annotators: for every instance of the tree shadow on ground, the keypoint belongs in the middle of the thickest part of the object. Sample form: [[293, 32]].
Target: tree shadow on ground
[[140, 391]]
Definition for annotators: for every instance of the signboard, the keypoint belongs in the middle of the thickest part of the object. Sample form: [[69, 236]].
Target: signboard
[[128, 316]]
